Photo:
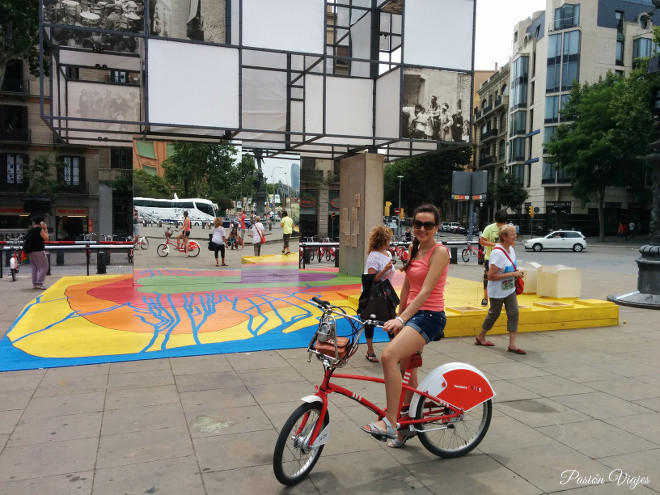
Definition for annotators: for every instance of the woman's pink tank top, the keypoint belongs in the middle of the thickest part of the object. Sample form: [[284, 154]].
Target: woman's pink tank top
[[416, 274]]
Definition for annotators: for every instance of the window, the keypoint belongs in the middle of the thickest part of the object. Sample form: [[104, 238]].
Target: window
[[118, 76], [519, 76], [14, 123], [518, 171], [548, 176], [567, 16], [73, 171], [563, 61], [619, 52], [518, 123], [121, 158], [14, 167], [502, 152], [517, 149], [14, 81], [643, 47], [548, 132], [552, 109], [618, 15], [72, 73]]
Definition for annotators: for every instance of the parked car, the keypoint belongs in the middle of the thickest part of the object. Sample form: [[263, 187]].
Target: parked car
[[559, 239], [444, 226]]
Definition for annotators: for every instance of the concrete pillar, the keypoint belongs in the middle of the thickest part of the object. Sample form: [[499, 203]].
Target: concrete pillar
[[361, 208]]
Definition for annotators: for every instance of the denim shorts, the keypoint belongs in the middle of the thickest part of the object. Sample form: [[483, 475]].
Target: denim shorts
[[429, 324]]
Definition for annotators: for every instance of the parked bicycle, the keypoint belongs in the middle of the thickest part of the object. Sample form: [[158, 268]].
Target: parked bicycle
[[164, 248], [450, 411], [471, 250], [142, 242]]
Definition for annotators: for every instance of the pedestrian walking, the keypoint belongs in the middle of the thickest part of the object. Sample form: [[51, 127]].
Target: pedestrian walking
[[502, 288], [488, 239], [631, 229], [287, 230], [621, 231], [35, 246], [258, 234], [219, 240]]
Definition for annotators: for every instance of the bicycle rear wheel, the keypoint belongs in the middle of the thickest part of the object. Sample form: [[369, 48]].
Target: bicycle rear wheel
[[293, 458], [458, 437], [465, 254], [193, 250], [144, 243]]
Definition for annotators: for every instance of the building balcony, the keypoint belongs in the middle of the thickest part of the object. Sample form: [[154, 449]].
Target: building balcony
[[15, 86], [110, 174], [486, 160], [76, 189], [311, 175], [490, 133], [499, 102], [16, 135]]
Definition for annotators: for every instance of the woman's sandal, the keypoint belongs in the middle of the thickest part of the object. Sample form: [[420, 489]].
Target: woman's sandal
[[517, 350], [395, 443], [379, 434], [372, 357], [488, 343]]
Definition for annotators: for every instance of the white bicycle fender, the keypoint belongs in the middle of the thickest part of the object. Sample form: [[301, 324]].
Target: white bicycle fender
[[312, 398], [458, 384], [324, 435]]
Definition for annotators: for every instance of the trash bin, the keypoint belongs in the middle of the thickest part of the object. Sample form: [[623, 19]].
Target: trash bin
[[454, 256], [306, 259], [59, 258], [100, 262]]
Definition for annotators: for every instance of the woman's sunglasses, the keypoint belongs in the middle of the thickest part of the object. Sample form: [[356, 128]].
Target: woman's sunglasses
[[427, 225]]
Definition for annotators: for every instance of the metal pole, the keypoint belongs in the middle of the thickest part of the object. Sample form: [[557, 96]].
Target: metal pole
[[399, 217]]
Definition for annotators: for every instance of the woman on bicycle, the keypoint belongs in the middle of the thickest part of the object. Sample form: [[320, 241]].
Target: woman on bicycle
[[421, 315]]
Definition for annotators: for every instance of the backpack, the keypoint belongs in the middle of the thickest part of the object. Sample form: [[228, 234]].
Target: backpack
[[27, 242]]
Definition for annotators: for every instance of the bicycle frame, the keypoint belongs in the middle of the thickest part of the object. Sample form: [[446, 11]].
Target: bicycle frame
[[169, 242]]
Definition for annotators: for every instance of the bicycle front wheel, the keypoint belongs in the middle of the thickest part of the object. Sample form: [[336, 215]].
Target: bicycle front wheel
[[465, 255], [144, 243], [162, 250], [293, 458], [460, 435]]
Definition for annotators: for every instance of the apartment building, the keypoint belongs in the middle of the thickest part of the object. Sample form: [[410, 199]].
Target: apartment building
[[87, 203], [566, 42]]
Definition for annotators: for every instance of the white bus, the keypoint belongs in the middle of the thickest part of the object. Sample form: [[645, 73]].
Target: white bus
[[171, 210]]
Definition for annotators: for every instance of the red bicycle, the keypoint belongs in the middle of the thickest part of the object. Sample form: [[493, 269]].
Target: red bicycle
[[471, 250], [15, 262], [164, 249], [450, 411]]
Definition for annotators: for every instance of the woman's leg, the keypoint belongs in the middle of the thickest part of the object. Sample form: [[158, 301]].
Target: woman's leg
[[406, 342], [492, 316], [215, 251], [369, 337], [512, 314], [222, 254]]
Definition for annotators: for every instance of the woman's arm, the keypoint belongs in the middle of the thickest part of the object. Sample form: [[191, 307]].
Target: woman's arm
[[44, 231], [494, 276]]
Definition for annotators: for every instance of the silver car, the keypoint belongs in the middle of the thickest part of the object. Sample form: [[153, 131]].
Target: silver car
[[559, 239]]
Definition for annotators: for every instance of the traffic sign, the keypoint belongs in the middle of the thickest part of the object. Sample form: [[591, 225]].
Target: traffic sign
[[397, 211]]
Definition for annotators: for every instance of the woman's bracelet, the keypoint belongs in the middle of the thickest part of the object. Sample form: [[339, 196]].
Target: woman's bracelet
[[401, 320]]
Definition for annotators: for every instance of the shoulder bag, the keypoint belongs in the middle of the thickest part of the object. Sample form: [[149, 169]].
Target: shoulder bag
[[378, 298], [520, 283]]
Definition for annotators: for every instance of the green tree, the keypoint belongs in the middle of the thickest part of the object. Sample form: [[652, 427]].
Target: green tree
[[41, 175], [242, 177], [199, 170], [426, 178], [509, 192], [604, 142], [150, 186], [19, 33]]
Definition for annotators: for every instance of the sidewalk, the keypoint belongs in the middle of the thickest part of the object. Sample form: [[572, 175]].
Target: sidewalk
[[581, 401]]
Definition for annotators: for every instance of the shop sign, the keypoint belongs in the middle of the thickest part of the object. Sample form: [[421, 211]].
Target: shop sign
[[11, 210], [65, 212], [307, 202]]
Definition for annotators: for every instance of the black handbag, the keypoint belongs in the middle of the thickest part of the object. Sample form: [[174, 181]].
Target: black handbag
[[211, 246], [377, 298]]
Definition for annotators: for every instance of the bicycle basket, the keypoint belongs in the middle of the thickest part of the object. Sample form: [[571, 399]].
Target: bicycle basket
[[168, 233], [333, 348]]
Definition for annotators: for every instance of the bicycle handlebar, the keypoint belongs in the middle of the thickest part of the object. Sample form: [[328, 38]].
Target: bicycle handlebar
[[326, 306]]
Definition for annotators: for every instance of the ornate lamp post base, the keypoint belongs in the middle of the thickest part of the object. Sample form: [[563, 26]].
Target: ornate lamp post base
[[647, 294]]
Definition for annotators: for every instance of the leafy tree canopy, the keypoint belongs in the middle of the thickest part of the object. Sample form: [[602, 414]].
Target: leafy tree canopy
[[509, 192], [426, 178], [242, 177], [19, 33], [199, 170], [41, 179], [150, 186]]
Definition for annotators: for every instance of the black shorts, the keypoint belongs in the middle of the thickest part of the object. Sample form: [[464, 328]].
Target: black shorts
[[186, 233]]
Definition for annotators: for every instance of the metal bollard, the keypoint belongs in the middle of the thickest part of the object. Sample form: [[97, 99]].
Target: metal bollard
[[100, 262], [337, 257], [59, 258], [306, 256], [454, 256], [48, 258], [107, 257]]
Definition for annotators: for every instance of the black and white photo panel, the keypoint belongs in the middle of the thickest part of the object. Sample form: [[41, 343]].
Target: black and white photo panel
[[436, 105]]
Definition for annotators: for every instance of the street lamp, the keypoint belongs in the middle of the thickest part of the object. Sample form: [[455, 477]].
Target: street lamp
[[399, 217]]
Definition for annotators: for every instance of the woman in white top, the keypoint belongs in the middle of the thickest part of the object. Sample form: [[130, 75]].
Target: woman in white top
[[219, 240], [502, 275], [379, 264], [257, 231]]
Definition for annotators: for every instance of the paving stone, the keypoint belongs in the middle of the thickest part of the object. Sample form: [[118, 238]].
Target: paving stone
[[143, 396], [600, 405], [216, 399], [60, 428], [150, 445], [193, 365], [540, 412], [62, 484], [176, 476], [8, 420], [207, 381], [140, 366], [238, 450], [16, 399], [62, 405], [252, 480], [53, 385], [47, 459], [138, 419], [226, 421], [139, 379]]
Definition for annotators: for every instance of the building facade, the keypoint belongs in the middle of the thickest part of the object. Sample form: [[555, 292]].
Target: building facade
[[567, 42], [87, 203]]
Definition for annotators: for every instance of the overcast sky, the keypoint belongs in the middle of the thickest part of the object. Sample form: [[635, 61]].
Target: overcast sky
[[495, 22]]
